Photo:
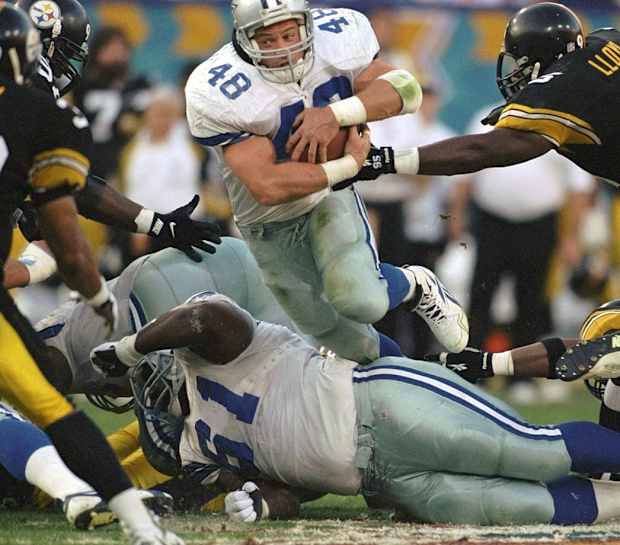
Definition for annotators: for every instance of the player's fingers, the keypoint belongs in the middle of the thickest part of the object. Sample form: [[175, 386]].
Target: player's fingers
[[299, 149], [244, 505], [312, 151], [323, 153], [299, 119], [292, 141]]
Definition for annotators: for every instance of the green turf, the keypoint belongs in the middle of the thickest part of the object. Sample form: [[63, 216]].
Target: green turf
[[330, 520]]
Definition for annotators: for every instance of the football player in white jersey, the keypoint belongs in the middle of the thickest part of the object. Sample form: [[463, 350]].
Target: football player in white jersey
[[261, 402], [289, 66]]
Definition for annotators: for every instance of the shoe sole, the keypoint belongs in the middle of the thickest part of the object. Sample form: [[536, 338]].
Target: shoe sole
[[599, 358]]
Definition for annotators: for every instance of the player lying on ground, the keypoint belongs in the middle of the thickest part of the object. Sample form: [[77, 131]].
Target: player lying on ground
[[292, 79], [149, 287], [262, 402]]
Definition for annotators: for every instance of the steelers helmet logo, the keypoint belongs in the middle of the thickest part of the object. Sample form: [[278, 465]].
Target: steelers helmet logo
[[44, 14]]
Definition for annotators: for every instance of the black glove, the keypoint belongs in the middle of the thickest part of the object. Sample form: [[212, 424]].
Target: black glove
[[471, 363], [27, 219], [493, 117], [178, 230], [378, 162], [105, 359]]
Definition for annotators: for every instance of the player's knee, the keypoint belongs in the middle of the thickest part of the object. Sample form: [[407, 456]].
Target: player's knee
[[354, 289]]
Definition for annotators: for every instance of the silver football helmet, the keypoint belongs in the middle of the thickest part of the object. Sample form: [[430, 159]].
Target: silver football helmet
[[251, 15]]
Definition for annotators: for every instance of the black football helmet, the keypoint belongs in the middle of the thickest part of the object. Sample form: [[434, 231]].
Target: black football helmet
[[20, 45], [65, 29], [535, 38]]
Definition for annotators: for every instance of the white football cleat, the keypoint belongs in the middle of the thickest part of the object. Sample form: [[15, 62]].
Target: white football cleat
[[152, 536], [439, 309], [82, 511]]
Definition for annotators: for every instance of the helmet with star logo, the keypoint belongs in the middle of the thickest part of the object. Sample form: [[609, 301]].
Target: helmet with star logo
[[65, 29]]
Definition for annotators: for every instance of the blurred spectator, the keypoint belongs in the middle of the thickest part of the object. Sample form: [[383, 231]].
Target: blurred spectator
[[384, 21], [515, 225], [111, 97], [160, 167]]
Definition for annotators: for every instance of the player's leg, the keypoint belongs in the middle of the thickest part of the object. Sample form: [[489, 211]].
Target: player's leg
[[437, 421], [79, 442], [27, 453], [285, 256], [469, 499], [362, 288]]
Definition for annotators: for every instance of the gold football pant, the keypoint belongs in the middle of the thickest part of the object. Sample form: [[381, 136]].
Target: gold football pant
[[22, 383]]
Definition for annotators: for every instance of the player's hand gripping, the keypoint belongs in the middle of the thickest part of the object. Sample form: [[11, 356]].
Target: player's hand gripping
[[245, 505], [105, 305], [178, 230], [471, 363], [314, 128]]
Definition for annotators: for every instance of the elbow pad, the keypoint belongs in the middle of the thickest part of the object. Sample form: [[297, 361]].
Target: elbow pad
[[407, 87]]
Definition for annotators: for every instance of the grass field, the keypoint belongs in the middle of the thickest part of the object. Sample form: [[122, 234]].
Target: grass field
[[330, 521]]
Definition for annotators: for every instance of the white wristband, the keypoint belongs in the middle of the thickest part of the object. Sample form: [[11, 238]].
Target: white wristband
[[39, 263], [144, 220], [101, 297], [340, 170], [349, 112], [503, 364], [407, 161], [126, 350]]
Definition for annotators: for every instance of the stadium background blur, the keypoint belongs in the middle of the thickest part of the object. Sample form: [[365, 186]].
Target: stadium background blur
[[451, 45]]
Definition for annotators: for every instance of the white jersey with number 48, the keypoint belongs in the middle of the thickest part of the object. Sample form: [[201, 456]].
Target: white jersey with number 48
[[280, 409], [228, 101]]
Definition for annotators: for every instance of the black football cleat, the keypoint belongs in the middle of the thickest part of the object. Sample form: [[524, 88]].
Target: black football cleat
[[598, 358]]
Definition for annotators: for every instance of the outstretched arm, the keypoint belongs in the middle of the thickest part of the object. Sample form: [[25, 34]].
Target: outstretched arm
[[471, 153], [534, 360], [101, 202]]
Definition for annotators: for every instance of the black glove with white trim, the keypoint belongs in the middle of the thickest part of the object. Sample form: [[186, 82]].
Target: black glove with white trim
[[178, 230], [471, 364], [378, 162]]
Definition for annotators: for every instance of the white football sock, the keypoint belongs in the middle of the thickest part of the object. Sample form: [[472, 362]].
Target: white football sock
[[132, 512], [607, 494], [46, 470]]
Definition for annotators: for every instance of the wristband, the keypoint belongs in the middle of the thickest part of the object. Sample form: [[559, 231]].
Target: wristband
[[502, 363], [555, 348], [39, 263], [144, 220], [340, 170], [101, 297], [407, 161], [349, 112], [126, 350]]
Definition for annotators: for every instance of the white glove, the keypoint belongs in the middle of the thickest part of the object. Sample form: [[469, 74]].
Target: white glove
[[241, 506]]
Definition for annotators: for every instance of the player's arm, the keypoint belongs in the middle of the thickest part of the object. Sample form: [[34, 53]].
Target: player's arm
[[381, 91], [34, 265], [101, 202], [539, 359], [213, 328], [500, 147], [254, 162]]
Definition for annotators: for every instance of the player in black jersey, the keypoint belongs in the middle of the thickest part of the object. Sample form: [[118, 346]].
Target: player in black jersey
[[65, 29], [562, 90], [44, 146]]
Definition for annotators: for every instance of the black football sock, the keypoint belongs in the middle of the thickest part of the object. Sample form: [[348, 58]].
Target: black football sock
[[87, 453]]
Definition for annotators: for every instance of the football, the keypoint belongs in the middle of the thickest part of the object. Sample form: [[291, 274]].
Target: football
[[335, 149]]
